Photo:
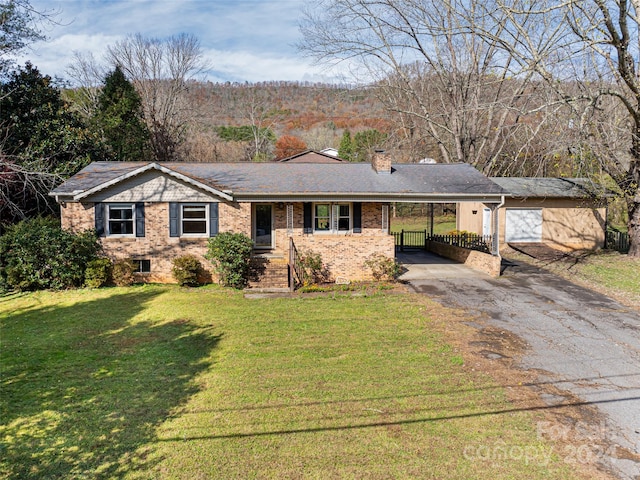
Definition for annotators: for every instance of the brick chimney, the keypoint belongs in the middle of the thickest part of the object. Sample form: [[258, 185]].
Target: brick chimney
[[381, 162]]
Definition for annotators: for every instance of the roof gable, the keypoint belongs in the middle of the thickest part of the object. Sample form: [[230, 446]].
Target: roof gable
[[152, 186], [100, 176]]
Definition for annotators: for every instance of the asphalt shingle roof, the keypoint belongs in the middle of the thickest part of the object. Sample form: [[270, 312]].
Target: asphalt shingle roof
[[529, 187], [247, 179]]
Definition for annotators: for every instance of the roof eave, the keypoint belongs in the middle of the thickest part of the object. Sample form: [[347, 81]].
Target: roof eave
[[367, 197]]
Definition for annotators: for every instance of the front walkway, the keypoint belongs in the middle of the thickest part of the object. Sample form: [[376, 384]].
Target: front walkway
[[426, 265]]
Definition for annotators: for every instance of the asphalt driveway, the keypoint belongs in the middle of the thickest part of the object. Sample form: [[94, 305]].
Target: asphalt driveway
[[585, 343]]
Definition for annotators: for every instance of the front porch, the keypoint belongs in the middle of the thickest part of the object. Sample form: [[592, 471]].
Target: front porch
[[280, 241]]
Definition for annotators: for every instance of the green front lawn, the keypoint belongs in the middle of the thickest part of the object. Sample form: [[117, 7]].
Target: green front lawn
[[441, 225], [163, 382]]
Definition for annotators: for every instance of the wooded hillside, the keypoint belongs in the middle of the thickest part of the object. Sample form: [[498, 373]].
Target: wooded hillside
[[317, 114]]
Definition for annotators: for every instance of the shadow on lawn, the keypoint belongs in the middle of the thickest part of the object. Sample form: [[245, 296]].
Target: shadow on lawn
[[83, 388]]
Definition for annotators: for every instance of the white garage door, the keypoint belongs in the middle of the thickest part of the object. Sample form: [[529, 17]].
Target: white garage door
[[523, 225]]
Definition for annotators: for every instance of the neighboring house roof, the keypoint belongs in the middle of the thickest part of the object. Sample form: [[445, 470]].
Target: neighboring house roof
[[339, 181], [311, 156], [330, 151], [529, 187]]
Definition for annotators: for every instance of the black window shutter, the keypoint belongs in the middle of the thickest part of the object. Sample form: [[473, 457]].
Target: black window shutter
[[213, 219], [174, 214], [140, 219], [357, 217], [308, 220], [99, 218]]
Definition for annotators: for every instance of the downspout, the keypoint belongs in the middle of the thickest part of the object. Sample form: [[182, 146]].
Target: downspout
[[496, 228]]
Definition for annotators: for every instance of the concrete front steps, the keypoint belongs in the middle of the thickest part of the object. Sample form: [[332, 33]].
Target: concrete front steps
[[269, 271]]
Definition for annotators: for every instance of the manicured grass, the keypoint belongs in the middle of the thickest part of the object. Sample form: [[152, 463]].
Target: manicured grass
[[613, 270], [441, 225], [163, 382]]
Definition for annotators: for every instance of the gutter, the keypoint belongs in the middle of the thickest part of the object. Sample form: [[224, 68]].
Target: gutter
[[366, 197]]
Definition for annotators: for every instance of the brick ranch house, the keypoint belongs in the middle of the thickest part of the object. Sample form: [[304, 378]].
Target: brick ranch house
[[154, 212]]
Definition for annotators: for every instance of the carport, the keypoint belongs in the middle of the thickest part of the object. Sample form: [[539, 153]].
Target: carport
[[420, 265]]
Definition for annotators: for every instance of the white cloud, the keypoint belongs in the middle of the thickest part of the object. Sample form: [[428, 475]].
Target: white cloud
[[54, 56], [243, 40], [255, 67]]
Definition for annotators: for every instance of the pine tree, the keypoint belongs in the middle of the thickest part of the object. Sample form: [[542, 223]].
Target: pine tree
[[345, 151], [119, 119]]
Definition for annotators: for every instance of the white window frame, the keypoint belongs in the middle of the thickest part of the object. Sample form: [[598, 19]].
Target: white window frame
[[139, 266], [120, 206], [348, 217], [334, 218], [205, 206]]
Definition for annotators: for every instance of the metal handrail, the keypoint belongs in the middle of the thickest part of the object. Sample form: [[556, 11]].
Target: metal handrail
[[295, 270]]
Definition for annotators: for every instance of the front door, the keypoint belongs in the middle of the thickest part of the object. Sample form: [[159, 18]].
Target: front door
[[263, 225]]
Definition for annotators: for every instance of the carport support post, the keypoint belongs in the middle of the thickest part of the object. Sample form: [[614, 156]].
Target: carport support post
[[431, 220], [495, 227]]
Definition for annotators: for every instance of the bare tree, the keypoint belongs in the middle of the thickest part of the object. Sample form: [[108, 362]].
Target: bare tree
[[24, 186], [432, 68], [88, 75], [161, 71], [587, 51], [255, 108], [258, 110]]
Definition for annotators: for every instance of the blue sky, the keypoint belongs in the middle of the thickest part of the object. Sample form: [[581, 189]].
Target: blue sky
[[242, 40]]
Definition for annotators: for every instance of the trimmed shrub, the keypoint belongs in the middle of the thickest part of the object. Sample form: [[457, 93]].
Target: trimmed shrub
[[313, 270], [383, 267], [186, 270], [230, 254], [459, 233], [98, 273], [37, 254], [123, 271]]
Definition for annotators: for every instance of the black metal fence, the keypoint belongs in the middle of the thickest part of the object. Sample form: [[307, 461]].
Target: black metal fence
[[411, 239], [618, 241], [466, 240], [417, 239]]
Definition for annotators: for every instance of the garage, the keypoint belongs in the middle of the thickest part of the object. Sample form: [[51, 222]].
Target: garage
[[564, 213], [523, 225]]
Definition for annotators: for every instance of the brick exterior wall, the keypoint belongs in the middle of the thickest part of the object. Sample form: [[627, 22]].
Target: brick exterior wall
[[343, 254], [381, 162], [482, 262]]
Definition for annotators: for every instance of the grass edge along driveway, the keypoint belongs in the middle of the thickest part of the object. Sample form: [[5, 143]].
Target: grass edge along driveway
[[163, 382]]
